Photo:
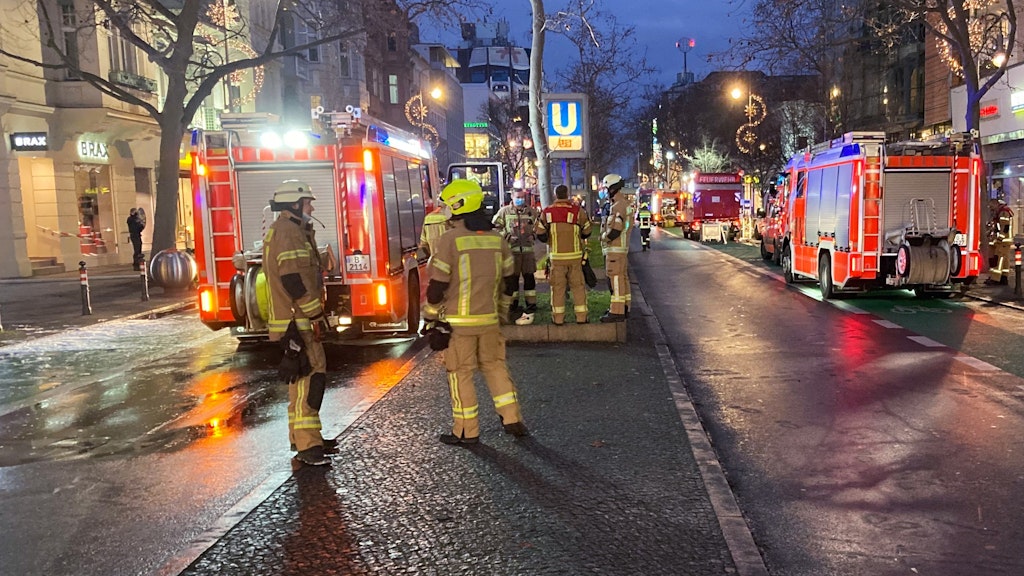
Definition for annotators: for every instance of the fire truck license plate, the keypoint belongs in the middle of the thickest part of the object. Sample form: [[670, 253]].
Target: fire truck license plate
[[357, 263]]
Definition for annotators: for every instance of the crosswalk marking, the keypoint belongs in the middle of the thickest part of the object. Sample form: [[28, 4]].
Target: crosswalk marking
[[924, 341]]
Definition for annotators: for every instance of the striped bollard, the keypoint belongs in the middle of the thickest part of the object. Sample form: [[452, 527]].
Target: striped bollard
[[83, 277], [1016, 271], [144, 279]]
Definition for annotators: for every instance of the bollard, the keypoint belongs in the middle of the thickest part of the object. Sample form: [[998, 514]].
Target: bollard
[[1, 325], [83, 275], [1016, 272], [144, 280]]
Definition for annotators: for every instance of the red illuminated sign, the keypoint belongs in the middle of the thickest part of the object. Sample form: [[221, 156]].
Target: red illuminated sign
[[989, 110]]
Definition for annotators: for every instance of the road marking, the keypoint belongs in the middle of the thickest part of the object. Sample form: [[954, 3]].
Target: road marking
[[886, 323], [846, 306], [925, 341], [980, 365]]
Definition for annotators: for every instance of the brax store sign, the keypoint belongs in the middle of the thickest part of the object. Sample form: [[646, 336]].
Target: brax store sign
[[91, 150], [29, 142]]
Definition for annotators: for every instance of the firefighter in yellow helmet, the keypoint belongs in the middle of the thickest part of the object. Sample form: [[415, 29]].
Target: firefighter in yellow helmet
[[1000, 240], [291, 264], [472, 265], [436, 223], [615, 245], [565, 227]]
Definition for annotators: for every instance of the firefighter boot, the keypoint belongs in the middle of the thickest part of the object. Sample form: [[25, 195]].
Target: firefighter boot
[[527, 317], [453, 440], [313, 456], [609, 316]]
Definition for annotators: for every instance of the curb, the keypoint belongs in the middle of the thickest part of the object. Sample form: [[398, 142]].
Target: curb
[[590, 332]]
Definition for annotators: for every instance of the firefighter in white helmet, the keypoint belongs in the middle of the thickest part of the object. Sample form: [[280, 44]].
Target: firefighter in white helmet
[[615, 245], [291, 264], [565, 227], [464, 310]]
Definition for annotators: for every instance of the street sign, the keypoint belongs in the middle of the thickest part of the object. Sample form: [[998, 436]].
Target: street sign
[[567, 126]]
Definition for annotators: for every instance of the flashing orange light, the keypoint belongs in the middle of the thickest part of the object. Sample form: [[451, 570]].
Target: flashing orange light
[[206, 300], [200, 169], [382, 295], [368, 160]]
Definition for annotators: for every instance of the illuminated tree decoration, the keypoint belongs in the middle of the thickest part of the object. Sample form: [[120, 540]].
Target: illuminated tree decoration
[[223, 15], [756, 111], [985, 31]]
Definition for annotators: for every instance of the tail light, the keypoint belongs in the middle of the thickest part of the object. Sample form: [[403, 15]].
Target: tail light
[[206, 300], [381, 295]]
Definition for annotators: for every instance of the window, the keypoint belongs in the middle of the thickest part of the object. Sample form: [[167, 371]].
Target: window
[[393, 88], [143, 181], [392, 43], [122, 52], [344, 62], [69, 29]]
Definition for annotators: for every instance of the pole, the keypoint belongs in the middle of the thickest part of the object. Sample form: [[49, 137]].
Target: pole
[[83, 276], [1016, 273], [144, 280]]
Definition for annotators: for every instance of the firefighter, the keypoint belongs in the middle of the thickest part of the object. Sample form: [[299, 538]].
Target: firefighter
[[565, 227], [615, 246], [464, 310], [516, 223], [291, 264], [1001, 242], [643, 223], [434, 225]]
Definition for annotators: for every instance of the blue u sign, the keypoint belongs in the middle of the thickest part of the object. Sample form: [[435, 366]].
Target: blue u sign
[[565, 125]]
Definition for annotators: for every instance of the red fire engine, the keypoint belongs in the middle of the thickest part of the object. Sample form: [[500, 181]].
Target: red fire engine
[[717, 200], [373, 185], [862, 214]]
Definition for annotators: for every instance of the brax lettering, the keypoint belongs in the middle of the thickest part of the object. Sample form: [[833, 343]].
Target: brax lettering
[[90, 149]]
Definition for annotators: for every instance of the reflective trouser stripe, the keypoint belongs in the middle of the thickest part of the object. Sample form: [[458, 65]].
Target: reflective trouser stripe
[[505, 399]]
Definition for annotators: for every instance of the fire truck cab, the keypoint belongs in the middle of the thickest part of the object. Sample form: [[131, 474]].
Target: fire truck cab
[[373, 184], [864, 214]]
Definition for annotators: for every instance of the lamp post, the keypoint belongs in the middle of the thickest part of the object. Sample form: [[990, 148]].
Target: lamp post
[[756, 112]]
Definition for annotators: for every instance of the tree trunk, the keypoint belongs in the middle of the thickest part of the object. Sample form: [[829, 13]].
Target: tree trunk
[[172, 130], [540, 141]]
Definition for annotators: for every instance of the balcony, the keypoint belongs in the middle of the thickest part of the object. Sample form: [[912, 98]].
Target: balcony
[[131, 80]]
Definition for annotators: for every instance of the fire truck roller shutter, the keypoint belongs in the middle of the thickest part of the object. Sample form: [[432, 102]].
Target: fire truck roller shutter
[[901, 187], [256, 185]]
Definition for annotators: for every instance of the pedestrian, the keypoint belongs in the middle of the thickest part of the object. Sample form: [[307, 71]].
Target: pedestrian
[[294, 273], [615, 246], [436, 223], [471, 266], [516, 222], [136, 224], [565, 226], [1000, 241]]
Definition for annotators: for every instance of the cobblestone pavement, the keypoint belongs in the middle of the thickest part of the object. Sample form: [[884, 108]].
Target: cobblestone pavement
[[606, 483]]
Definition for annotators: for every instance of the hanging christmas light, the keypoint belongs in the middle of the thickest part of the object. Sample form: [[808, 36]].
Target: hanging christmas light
[[984, 32], [223, 17]]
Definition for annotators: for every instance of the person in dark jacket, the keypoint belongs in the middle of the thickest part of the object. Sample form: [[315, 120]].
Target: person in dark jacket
[[136, 225]]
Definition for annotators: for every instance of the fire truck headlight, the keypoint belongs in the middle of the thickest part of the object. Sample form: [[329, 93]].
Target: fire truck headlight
[[270, 139], [296, 139]]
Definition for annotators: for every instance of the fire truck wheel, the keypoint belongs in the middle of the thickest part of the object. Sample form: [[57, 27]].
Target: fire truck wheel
[[903, 261], [828, 290], [413, 317], [787, 266], [236, 295], [955, 260]]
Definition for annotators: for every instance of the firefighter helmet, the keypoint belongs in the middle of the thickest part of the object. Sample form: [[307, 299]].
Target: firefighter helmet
[[292, 191], [611, 180], [463, 196]]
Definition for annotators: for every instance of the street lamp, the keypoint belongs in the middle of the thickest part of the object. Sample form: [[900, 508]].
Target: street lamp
[[756, 112]]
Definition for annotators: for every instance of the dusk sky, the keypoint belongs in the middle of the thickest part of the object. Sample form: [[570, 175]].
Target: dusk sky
[[659, 24]]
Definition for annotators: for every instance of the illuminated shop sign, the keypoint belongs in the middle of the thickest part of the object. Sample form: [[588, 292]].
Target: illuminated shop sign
[[29, 142], [1016, 101], [989, 109], [92, 150]]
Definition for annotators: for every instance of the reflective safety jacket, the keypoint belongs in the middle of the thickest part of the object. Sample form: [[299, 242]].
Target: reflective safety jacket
[[620, 215], [434, 225], [643, 219], [291, 264], [472, 265], [1000, 225], [566, 226], [516, 225]]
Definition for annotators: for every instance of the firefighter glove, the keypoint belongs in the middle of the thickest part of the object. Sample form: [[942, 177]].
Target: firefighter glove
[[438, 333], [294, 360], [320, 327]]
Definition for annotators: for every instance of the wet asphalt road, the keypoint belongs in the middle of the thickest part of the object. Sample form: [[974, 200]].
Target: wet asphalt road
[[857, 437], [121, 443]]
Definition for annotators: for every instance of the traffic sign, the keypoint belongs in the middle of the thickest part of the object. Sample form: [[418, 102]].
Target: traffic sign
[[567, 130]]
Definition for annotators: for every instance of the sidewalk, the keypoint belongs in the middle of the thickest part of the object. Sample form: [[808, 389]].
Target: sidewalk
[[32, 307]]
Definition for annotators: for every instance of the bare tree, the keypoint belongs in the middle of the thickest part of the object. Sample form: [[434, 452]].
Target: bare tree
[[540, 142], [171, 35], [508, 133], [710, 156]]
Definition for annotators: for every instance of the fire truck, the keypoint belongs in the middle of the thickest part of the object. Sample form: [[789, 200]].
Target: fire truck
[[373, 183], [864, 214], [716, 198]]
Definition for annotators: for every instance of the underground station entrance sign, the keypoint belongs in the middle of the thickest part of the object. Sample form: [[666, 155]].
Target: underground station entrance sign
[[567, 125]]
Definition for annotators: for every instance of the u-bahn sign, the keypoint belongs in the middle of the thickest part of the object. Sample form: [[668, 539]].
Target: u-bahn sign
[[566, 124]]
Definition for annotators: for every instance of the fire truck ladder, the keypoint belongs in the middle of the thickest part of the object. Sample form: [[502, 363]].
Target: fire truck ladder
[[223, 215]]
